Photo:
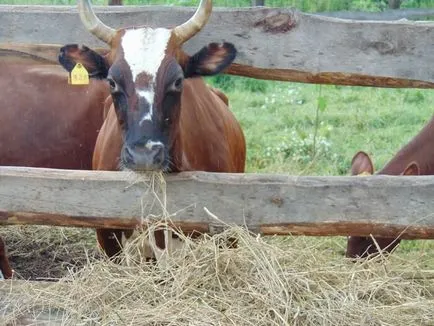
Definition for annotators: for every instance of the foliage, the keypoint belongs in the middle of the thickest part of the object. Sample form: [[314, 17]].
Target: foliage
[[281, 124]]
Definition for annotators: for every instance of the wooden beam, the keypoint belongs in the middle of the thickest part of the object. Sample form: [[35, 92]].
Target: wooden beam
[[276, 44], [411, 14], [34, 53], [265, 203]]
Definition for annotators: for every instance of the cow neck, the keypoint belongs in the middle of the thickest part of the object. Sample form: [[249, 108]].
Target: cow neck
[[177, 153], [419, 149]]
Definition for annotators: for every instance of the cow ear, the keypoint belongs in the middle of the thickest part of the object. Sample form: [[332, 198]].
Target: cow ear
[[361, 164], [94, 63], [412, 169], [210, 60]]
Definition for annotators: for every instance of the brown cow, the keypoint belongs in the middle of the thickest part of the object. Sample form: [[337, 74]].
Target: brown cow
[[362, 165], [164, 117], [46, 122]]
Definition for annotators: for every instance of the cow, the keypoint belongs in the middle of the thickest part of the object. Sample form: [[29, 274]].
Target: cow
[[163, 117], [47, 123], [362, 247]]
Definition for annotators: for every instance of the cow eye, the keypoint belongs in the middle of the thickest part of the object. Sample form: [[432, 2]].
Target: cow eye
[[176, 85], [112, 84]]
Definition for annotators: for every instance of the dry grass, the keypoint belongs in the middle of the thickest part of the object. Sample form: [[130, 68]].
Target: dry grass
[[262, 282]]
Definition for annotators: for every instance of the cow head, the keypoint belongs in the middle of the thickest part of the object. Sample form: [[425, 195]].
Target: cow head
[[361, 164], [145, 69], [364, 246]]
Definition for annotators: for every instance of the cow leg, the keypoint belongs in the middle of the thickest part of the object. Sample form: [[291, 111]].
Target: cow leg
[[110, 241], [6, 271]]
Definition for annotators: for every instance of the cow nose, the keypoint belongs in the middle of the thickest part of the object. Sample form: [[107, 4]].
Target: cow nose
[[149, 156], [154, 152]]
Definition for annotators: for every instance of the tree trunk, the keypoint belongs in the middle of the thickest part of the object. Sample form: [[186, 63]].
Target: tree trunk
[[115, 2]]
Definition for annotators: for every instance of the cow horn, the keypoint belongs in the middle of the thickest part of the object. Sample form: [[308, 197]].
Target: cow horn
[[92, 23], [191, 27]]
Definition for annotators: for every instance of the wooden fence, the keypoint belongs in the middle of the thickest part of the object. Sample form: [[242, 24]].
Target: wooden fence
[[281, 44], [273, 44], [276, 44], [264, 203]]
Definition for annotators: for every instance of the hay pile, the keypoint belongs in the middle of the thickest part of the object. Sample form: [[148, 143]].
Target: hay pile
[[265, 281], [259, 283]]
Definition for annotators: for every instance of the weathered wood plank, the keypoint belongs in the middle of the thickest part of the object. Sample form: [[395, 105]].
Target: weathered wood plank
[[266, 203], [32, 53], [414, 13], [273, 44]]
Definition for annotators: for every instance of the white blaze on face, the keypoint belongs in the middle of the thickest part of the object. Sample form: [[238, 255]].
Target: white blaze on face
[[144, 50], [148, 95]]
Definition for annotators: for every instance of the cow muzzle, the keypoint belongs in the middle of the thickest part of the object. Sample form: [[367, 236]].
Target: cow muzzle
[[148, 157]]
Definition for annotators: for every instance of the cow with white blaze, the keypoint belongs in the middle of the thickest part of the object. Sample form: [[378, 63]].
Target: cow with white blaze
[[162, 116]]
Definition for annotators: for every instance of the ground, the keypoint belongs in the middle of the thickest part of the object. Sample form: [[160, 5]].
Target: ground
[[299, 129]]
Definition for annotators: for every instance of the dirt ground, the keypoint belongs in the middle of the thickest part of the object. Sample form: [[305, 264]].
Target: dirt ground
[[47, 253]]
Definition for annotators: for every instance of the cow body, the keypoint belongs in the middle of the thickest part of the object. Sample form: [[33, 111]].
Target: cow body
[[47, 123], [420, 149], [162, 116], [415, 158], [209, 139]]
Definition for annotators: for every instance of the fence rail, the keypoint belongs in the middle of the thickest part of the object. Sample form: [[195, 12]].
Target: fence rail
[[276, 44], [264, 203], [386, 15]]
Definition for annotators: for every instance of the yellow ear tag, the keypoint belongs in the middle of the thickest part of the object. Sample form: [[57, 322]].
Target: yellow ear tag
[[78, 75]]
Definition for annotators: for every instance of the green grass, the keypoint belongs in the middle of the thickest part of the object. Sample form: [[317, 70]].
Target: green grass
[[279, 120]]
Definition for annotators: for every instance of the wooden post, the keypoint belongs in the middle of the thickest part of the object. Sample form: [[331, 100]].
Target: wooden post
[[394, 4], [115, 3], [258, 3]]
